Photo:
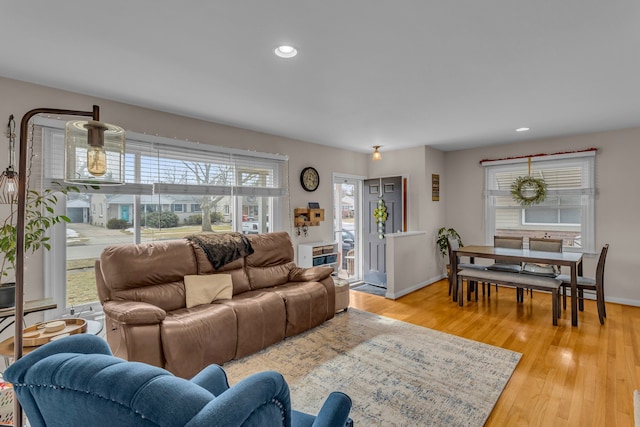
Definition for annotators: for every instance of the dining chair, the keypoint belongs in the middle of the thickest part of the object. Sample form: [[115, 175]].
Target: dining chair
[[453, 246], [545, 245], [589, 284], [508, 242]]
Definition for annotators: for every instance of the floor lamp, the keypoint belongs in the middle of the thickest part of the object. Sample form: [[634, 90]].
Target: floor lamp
[[103, 150]]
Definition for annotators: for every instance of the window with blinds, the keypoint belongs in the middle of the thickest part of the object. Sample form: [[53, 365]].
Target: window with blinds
[[172, 189], [567, 211]]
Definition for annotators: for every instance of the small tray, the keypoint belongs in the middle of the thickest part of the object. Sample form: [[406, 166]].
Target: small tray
[[35, 335]]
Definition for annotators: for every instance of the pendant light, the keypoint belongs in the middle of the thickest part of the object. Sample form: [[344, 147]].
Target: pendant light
[[95, 153], [376, 153], [9, 178]]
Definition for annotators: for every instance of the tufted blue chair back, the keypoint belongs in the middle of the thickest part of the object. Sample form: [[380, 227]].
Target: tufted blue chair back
[[75, 381]]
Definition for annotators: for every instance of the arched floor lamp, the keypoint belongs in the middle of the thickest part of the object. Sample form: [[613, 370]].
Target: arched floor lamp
[[95, 156]]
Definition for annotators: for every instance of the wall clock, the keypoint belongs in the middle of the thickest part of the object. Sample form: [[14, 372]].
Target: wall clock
[[309, 179]]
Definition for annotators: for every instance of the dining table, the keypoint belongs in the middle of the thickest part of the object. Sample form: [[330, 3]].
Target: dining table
[[572, 260]]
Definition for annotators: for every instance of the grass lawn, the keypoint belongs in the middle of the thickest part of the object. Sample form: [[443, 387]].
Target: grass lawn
[[81, 277], [81, 282]]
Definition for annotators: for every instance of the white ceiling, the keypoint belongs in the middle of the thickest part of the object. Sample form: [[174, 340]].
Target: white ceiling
[[447, 74]]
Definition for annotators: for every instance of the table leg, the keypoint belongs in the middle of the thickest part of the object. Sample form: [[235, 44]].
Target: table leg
[[453, 267], [460, 286], [574, 295]]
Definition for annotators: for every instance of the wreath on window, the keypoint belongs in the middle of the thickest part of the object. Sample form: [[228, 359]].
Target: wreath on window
[[380, 215], [528, 190]]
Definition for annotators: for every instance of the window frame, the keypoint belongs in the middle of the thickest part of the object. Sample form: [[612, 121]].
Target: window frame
[[54, 261], [584, 159], [557, 211]]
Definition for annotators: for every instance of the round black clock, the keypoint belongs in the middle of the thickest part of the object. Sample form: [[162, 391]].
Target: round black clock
[[309, 179]]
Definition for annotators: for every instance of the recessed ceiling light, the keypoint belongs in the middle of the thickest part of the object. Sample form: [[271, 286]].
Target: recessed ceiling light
[[286, 51], [522, 129]]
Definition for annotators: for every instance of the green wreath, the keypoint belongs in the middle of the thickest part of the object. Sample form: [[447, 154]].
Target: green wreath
[[380, 214], [528, 190]]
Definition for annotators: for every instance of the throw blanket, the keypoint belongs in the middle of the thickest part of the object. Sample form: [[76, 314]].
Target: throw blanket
[[222, 248]]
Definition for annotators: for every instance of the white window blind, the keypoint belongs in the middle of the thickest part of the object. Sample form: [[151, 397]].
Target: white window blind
[[156, 165], [567, 211]]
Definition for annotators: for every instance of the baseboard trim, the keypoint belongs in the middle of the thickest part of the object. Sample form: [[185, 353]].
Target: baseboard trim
[[396, 295]]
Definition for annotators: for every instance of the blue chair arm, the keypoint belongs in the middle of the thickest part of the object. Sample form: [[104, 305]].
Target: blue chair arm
[[334, 412], [213, 379], [260, 400], [80, 343]]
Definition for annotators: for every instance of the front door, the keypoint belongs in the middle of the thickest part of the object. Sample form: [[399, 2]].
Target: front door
[[390, 191]]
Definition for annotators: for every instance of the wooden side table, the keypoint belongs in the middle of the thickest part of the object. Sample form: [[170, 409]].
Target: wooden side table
[[6, 347], [29, 307]]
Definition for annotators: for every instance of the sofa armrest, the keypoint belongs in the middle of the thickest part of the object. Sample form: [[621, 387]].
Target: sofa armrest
[[134, 313], [311, 274]]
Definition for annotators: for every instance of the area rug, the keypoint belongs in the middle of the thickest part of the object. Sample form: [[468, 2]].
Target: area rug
[[397, 374]]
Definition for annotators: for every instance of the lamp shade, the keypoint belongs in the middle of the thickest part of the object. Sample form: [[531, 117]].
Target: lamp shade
[[95, 153], [376, 153], [8, 186]]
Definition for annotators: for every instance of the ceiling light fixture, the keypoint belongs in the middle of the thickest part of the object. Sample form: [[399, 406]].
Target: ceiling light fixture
[[376, 153], [286, 51], [522, 129]]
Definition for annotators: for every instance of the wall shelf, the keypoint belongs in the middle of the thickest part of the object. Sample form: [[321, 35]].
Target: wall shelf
[[308, 217]]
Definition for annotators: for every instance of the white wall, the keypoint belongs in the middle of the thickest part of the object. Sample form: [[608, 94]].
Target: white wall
[[461, 177], [417, 164], [617, 199]]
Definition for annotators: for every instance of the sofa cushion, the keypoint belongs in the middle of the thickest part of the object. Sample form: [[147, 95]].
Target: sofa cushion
[[270, 249], [199, 336], [236, 269], [267, 277], [310, 274], [207, 288], [261, 318], [306, 303], [167, 296], [134, 267]]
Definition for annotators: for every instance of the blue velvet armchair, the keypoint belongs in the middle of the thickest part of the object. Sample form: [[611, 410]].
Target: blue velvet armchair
[[75, 381]]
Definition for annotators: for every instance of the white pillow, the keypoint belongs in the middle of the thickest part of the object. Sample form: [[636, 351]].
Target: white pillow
[[206, 288]]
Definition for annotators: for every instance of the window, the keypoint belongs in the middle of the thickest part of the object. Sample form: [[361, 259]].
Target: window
[[163, 179], [568, 210]]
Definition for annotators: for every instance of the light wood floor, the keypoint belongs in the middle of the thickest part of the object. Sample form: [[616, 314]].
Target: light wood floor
[[567, 376]]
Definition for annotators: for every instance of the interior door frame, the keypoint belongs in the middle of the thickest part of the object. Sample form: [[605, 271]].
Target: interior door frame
[[337, 178]]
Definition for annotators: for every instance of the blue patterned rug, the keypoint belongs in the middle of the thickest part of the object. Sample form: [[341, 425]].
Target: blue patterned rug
[[397, 374]]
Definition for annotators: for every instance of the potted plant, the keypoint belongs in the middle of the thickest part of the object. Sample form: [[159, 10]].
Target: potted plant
[[39, 217], [443, 243]]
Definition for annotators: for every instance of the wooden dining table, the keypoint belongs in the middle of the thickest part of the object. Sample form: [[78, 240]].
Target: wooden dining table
[[573, 260]]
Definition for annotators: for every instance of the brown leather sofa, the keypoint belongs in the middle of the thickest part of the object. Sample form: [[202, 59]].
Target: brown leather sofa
[[141, 288]]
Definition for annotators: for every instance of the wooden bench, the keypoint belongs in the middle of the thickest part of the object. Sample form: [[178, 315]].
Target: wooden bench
[[517, 280]]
